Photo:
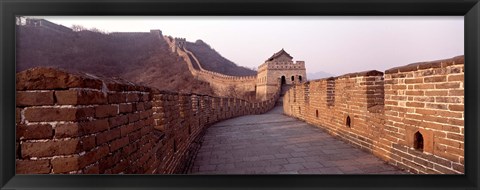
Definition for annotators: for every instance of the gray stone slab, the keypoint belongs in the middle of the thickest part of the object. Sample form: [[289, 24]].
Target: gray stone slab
[[273, 143]]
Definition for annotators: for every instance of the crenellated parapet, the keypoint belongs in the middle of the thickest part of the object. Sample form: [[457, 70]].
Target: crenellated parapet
[[410, 116], [79, 123]]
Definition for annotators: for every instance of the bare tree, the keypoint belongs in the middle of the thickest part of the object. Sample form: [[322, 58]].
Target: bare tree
[[78, 28]]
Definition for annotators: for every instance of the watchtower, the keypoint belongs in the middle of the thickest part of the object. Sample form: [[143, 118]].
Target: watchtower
[[180, 42], [278, 68]]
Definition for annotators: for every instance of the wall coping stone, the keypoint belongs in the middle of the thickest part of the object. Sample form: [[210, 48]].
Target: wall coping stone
[[427, 65]]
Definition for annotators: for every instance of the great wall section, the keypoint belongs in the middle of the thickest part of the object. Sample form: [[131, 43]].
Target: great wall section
[[411, 117], [218, 81], [77, 123]]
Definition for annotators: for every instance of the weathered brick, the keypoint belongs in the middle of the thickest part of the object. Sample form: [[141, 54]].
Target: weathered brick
[[117, 97], [50, 114], [415, 93], [458, 167], [94, 155], [456, 78], [58, 114], [134, 136], [436, 106], [125, 108], [456, 107], [459, 122], [34, 98], [95, 126], [50, 148], [415, 104], [435, 79], [133, 97], [455, 136], [126, 129], [80, 97], [424, 86], [447, 85], [443, 169], [455, 151], [448, 100], [64, 130], [119, 143], [35, 131], [436, 93], [127, 150], [456, 92], [33, 166], [118, 120], [133, 117], [42, 78], [414, 80], [88, 142], [65, 164], [108, 136], [448, 142], [93, 169], [140, 106], [102, 111], [109, 161]]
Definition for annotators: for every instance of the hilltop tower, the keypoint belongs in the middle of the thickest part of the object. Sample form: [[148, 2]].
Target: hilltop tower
[[180, 42], [278, 68]]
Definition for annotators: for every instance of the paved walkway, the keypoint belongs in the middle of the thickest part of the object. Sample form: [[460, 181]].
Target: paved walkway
[[273, 143]]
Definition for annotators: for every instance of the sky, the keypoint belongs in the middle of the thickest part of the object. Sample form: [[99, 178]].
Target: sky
[[336, 45]]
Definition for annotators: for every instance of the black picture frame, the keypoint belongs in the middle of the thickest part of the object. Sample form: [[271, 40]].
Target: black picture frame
[[9, 9]]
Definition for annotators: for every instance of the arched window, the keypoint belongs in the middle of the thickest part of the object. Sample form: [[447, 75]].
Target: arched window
[[293, 78], [348, 122], [300, 78], [418, 141], [316, 113]]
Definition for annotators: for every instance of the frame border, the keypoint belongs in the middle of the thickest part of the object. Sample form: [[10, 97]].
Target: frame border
[[9, 9]]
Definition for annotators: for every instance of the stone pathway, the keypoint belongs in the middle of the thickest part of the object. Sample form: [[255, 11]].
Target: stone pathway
[[273, 143]]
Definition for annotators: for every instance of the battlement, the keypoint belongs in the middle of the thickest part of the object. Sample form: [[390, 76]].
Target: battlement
[[80, 123], [32, 22], [410, 116], [156, 32], [180, 42]]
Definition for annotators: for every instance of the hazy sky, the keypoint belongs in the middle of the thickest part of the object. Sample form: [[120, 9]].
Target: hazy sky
[[336, 45]]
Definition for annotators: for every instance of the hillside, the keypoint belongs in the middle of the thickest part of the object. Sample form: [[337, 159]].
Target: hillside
[[142, 58], [213, 61], [318, 75]]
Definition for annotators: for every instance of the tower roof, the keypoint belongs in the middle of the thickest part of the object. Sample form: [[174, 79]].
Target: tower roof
[[278, 54]]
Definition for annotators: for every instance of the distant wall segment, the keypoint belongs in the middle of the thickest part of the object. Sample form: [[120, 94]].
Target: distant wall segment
[[218, 81], [79, 123], [411, 116]]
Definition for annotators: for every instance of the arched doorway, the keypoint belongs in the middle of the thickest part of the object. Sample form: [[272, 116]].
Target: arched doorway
[[284, 81]]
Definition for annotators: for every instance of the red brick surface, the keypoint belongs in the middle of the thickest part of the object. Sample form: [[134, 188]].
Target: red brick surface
[[421, 97], [75, 125]]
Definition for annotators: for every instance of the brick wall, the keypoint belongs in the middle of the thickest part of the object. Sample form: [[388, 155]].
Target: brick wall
[[79, 123], [389, 114]]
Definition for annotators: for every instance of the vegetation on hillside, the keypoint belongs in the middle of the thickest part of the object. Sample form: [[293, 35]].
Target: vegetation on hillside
[[141, 58], [213, 61]]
